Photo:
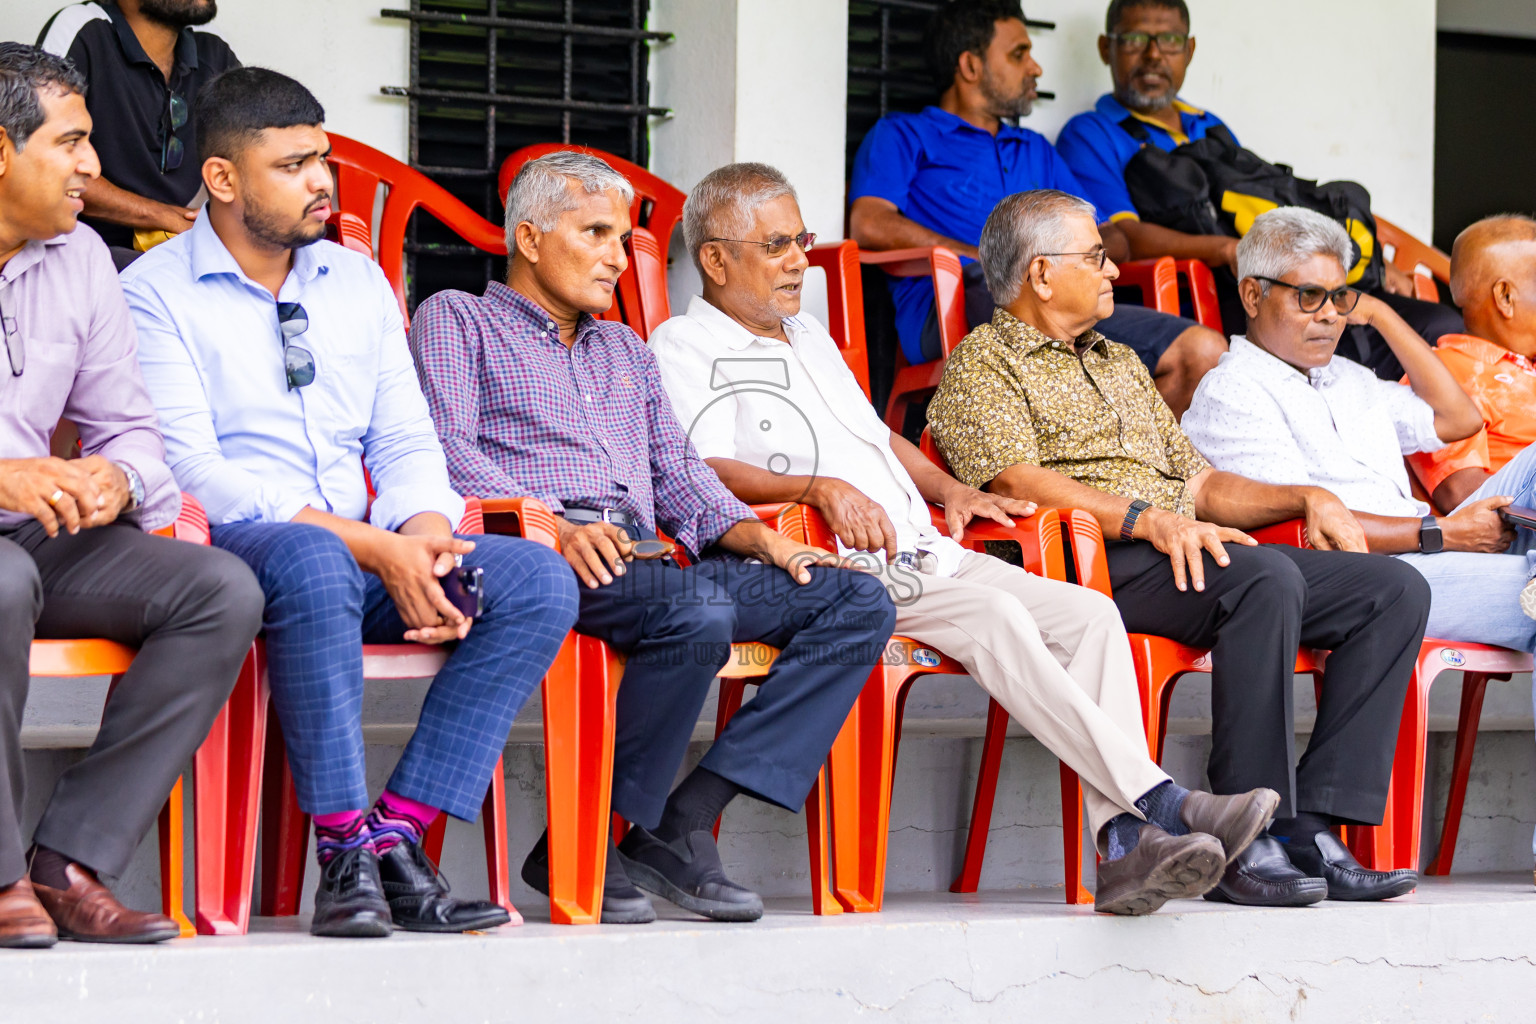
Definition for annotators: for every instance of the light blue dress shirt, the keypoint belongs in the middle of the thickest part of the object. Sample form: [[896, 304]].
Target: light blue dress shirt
[[236, 437]]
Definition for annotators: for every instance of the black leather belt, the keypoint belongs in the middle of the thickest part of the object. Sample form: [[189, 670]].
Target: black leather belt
[[577, 514]]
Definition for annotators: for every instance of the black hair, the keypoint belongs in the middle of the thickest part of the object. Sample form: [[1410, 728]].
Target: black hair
[[1117, 9], [963, 26], [25, 71], [235, 108]]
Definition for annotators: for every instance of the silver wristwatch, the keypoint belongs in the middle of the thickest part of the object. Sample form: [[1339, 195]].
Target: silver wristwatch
[[135, 486]]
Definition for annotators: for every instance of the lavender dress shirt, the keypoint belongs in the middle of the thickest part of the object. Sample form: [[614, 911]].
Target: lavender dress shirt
[[81, 364]]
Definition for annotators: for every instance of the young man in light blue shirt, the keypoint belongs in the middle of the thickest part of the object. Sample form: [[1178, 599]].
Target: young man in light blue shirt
[[279, 364]]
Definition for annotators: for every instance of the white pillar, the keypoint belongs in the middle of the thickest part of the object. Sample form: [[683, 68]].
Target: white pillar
[[762, 80]]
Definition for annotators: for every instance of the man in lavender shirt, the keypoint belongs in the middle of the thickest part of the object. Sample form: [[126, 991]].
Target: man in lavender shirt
[[75, 557]]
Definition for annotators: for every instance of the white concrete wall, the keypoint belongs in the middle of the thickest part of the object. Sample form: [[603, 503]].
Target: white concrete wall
[[1361, 108], [341, 49], [1495, 17]]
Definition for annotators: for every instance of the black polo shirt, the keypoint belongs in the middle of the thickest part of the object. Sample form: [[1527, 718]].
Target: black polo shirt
[[129, 100]]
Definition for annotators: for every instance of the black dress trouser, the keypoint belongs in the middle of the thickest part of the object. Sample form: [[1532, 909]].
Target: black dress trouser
[[191, 611], [1367, 610]]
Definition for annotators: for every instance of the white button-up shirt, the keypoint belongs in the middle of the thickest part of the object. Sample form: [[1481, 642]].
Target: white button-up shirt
[[236, 437], [793, 409], [1339, 427]]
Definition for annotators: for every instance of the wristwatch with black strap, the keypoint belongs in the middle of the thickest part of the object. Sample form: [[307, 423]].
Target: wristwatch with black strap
[[1431, 539]]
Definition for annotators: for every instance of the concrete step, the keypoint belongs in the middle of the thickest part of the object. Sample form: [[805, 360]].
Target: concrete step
[[1456, 950]]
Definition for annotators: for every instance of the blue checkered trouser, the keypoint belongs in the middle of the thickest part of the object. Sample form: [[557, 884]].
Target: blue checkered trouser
[[321, 609]]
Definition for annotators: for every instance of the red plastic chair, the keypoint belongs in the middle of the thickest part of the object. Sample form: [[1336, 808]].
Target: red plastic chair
[[1157, 280], [579, 692], [916, 383], [845, 304], [360, 172], [225, 791], [1427, 264], [287, 837]]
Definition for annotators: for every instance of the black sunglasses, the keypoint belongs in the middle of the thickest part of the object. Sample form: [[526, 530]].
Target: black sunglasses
[[172, 149], [1310, 297], [298, 363], [15, 348]]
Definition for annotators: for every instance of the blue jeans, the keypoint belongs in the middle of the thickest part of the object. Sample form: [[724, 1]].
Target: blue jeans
[[322, 608], [1476, 597]]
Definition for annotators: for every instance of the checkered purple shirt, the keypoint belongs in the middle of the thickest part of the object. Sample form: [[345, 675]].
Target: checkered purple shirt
[[519, 414]]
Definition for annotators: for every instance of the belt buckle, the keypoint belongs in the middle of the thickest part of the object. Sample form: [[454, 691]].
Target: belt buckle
[[607, 515]]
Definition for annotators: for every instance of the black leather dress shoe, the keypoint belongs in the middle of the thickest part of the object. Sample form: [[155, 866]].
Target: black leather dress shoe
[[1347, 880], [622, 902], [1235, 820], [418, 896], [688, 872], [1263, 876], [350, 902]]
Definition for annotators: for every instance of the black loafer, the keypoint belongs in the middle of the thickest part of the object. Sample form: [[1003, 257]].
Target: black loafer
[[350, 904], [1235, 820], [418, 896], [688, 872], [622, 902], [1347, 880], [1263, 876]]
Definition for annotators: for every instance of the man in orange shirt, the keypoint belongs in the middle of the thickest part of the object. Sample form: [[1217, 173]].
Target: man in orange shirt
[[1493, 280]]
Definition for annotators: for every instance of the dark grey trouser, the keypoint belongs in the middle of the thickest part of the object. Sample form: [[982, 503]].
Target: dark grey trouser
[[192, 611]]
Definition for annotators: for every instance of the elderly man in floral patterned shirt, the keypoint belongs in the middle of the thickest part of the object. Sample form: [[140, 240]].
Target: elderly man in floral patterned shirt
[[1038, 405]]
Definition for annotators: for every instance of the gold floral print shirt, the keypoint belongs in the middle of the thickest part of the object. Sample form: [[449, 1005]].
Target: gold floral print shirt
[[1012, 395]]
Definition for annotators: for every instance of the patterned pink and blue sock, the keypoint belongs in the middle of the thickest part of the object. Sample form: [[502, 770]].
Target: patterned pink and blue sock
[[337, 833], [397, 819]]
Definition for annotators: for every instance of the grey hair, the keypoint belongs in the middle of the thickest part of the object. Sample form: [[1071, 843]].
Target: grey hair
[[722, 205], [25, 71], [1285, 238], [540, 193], [1022, 227]]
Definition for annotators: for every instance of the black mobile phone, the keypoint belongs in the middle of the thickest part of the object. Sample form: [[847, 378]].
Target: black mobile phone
[[1519, 515], [465, 590]]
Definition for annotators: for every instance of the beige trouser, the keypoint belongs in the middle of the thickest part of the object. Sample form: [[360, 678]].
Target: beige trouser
[[1054, 654]]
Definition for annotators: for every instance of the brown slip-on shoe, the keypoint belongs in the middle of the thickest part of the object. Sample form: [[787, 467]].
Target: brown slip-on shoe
[[24, 924], [88, 912], [1161, 868], [1235, 820]]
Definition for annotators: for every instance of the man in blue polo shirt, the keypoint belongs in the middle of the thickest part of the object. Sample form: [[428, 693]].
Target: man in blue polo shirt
[[1147, 47], [933, 177]]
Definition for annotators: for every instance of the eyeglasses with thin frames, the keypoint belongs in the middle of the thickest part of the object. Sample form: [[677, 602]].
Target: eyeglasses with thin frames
[[1310, 297], [15, 347], [778, 245], [298, 362], [1099, 256]]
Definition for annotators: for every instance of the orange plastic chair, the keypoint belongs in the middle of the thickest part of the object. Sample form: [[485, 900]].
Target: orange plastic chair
[[1157, 280], [916, 383], [225, 793], [287, 838], [579, 692], [360, 172], [1427, 264]]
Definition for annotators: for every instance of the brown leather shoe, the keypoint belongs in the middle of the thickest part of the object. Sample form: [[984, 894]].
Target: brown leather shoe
[[88, 912], [1236, 820], [24, 924], [1161, 868]]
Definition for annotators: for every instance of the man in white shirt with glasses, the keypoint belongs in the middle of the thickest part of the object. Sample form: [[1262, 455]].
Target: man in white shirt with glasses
[[774, 410]]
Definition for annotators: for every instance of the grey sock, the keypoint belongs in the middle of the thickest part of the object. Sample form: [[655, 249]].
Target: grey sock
[[1161, 804], [1122, 833]]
